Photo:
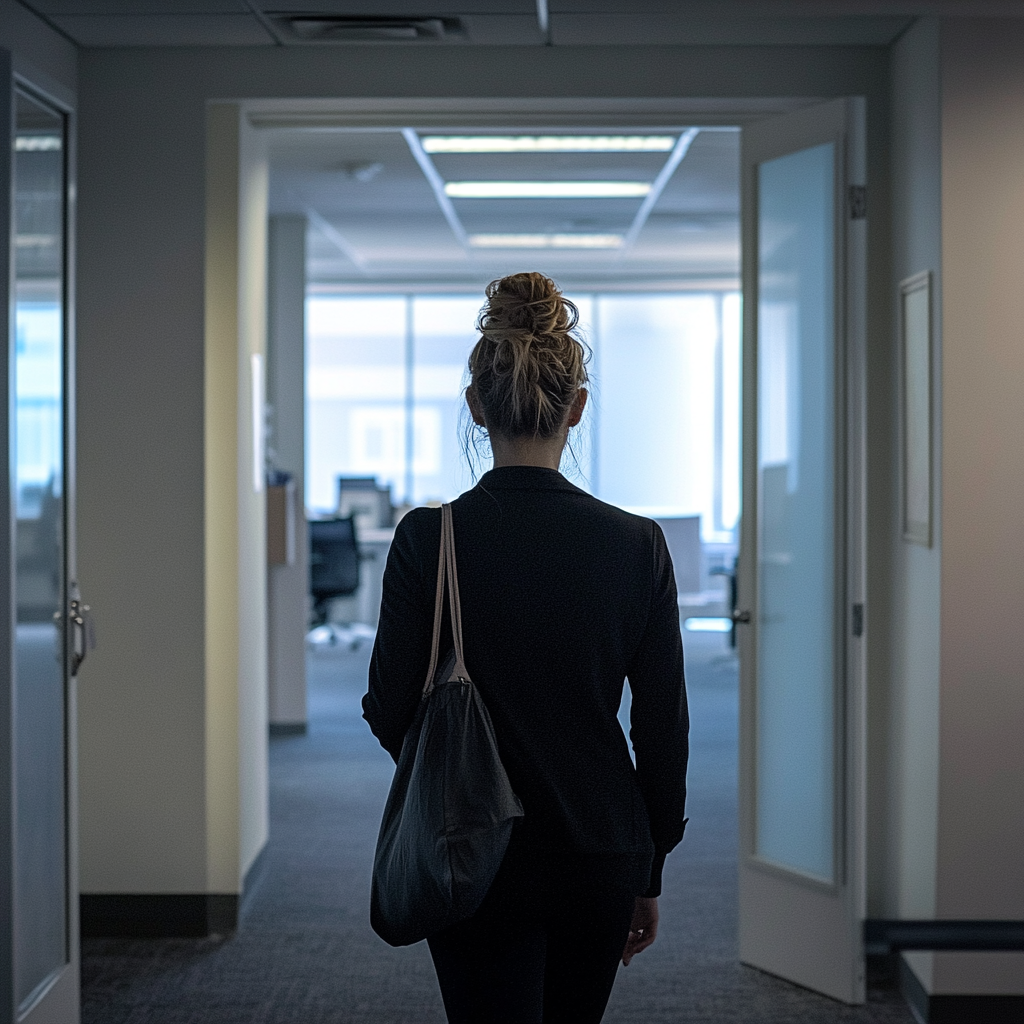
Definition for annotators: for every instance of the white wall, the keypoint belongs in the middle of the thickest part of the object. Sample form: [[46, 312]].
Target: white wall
[[980, 855], [146, 727], [905, 732], [153, 732], [286, 387], [251, 642], [948, 703]]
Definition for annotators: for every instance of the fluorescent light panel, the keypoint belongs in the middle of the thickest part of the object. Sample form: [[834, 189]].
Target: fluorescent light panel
[[497, 241], [548, 143], [547, 189], [37, 143]]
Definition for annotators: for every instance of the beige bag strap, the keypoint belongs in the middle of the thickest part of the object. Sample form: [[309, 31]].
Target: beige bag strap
[[459, 671], [446, 569], [442, 566]]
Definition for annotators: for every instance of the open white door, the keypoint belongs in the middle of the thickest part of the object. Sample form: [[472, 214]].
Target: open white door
[[801, 560]]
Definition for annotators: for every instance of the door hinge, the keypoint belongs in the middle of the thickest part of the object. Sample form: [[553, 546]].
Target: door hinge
[[858, 202], [858, 620]]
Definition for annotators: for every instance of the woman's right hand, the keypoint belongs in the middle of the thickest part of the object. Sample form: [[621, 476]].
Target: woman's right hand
[[643, 929]]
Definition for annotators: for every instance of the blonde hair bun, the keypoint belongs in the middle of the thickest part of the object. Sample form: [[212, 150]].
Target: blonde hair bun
[[528, 365], [530, 303]]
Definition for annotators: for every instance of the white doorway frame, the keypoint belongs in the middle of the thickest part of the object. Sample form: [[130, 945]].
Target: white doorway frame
[[327, 115]]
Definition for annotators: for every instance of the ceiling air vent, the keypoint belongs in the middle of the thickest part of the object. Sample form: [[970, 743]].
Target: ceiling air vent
[[332, 28]]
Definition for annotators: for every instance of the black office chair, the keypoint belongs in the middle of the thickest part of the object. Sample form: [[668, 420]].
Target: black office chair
[[333, 564], [734, 615]]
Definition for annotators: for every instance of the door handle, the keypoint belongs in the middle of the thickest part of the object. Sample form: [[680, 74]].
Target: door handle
[[735, 617], [83, 639]]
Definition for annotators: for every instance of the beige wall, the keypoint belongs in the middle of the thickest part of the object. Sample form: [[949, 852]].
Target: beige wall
[[142, 710], [224, 396], [158, 738], [235, 513], [980, 855]]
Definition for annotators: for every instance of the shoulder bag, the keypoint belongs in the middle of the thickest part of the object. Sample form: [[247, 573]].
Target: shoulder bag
[[450, 811]]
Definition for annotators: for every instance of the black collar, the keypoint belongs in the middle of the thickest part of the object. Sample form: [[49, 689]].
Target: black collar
[[526, 478]]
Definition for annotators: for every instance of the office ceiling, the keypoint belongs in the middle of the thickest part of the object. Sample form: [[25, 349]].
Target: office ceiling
[[376, 219], [94, 23]]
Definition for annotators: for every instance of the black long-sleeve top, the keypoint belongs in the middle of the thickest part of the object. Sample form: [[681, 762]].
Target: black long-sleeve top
[[563, 597]]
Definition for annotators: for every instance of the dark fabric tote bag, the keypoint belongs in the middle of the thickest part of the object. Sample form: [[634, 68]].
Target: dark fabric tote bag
[[450, 811]]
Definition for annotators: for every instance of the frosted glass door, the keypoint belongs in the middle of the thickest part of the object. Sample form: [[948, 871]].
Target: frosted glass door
[[795, 813], [44, 983], [801, 565]]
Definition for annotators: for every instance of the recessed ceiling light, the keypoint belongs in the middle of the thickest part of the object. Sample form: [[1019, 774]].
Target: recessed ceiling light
[[36, 143], [548, 143], [545, 241], [547, 189]]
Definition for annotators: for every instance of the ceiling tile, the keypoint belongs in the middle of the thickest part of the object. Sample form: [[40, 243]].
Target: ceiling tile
[[146, 7], [739, 9], [164, 30], [708, 179], [391, 220], [503, 29], [679, 29], [399, 8]]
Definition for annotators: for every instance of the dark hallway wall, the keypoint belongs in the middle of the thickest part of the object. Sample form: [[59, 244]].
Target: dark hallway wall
[[141, 325]]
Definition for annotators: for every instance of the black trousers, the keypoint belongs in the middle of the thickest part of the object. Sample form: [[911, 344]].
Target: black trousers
[[543, 949]]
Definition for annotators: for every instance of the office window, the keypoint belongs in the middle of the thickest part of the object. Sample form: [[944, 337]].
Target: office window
[[442, 338], [38, 352], [355, 394], [660, 436], [656, 403]]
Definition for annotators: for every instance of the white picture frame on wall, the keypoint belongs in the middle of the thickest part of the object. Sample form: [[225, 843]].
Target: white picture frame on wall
[[915, 322]]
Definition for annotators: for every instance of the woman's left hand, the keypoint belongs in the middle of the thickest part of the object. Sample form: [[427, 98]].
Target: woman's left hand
[[643, 929]]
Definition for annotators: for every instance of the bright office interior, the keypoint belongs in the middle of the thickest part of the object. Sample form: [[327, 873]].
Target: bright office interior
[[407, 226]]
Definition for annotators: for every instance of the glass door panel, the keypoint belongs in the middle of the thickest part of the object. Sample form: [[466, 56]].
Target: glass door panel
[[40, 760], [802, 682], [795, 768]]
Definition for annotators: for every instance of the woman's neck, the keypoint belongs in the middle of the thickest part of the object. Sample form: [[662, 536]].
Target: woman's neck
[[545, 453]]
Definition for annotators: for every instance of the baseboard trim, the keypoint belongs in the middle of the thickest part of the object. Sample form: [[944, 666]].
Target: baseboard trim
[[883, 936], [288, 728], [167, 915], [154, 916], [955, 1009]]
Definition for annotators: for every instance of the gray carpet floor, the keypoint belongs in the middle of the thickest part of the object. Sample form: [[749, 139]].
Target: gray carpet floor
[[304, 952]]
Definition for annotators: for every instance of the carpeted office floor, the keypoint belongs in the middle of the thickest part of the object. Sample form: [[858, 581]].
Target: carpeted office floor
[[304, 953]]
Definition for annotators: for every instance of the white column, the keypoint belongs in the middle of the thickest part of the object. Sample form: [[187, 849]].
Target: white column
[[287, 585]]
